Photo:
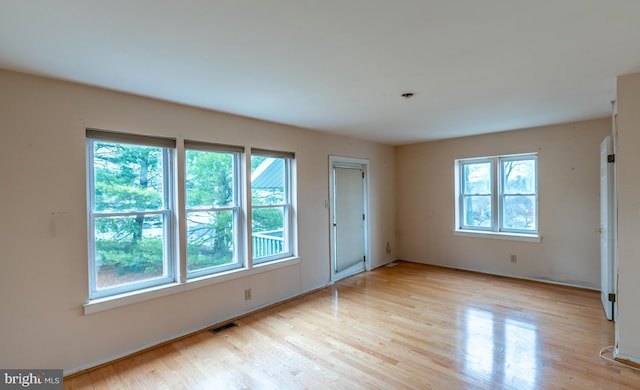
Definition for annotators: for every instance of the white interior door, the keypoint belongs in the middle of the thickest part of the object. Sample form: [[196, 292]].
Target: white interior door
[[607, 272], [349, 213]]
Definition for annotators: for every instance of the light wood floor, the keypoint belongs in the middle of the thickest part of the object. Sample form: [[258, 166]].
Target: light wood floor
[[408, 327]]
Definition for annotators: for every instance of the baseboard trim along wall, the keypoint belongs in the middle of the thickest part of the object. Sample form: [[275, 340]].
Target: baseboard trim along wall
[[539, 280], [110, 360]]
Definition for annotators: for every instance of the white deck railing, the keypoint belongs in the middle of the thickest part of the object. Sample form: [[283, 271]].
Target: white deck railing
[[265, 244]]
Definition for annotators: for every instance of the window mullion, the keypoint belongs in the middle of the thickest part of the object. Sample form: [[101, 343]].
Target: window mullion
[[248, 217], [179, 223], [270, 206], [130, 213], [91, 197], [459, 169], [496, 178], [210, 209], [239, 204], [92, 251], [168, 205]]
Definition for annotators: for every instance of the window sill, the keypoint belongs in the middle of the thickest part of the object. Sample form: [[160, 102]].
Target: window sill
[[498, 235], [112, 302]]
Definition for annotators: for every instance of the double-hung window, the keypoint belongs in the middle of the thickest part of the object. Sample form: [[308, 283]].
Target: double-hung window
[[518, 194], [270, 205], [139, 237], [130, 212], [476, 195], [498, 194], [212, 197]]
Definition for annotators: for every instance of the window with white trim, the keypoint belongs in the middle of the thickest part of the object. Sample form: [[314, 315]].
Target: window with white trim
[[135, 228], [212, 198], [498, 194], [130, 206], [270, 205]]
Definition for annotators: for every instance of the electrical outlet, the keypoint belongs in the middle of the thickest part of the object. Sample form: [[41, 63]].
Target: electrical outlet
[[247, 294], [514, 258]]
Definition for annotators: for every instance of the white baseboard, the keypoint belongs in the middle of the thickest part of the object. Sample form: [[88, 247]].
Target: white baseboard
[[186, 333], [541, 280], [620, 356]]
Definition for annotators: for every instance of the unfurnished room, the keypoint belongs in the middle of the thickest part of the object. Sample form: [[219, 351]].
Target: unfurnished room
[[277, 194]]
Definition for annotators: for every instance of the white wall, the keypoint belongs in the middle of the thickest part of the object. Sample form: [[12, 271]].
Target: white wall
[[628, 192], [568, 161], [43, 239]]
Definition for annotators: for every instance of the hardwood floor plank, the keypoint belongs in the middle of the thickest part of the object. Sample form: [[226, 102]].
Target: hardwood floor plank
[[407, 327]]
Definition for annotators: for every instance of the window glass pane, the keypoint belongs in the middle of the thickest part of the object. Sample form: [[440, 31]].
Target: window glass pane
[[477, 178], [519, 212], [268, 238], [209, 239], [209, 179], [477, 211], [519, 176], [268, 180], [128, 250], [127, 177]]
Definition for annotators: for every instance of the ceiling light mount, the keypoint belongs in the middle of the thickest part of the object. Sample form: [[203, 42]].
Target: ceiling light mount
[[407, 95]]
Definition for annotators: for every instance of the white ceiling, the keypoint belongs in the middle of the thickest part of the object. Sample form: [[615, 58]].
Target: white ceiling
[[341, 65]]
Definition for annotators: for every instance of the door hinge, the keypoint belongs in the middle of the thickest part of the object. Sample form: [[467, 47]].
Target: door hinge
[[611, 158], [364, 258], [612, 297], [363, 217]]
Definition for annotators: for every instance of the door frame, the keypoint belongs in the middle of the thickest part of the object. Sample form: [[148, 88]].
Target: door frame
[[606, 229], [614, 215], [347, 162]]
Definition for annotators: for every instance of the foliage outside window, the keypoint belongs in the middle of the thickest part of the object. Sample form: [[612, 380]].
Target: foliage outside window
[[212, 209], [270, 205], [130, 225], [498, 194], [134, 241]]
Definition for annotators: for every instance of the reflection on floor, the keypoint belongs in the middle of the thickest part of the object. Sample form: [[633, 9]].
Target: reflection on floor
[[408, 327], [508, 342]]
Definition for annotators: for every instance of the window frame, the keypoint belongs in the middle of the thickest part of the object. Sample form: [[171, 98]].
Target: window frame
[[235, 208], [463, 195], [502, 195], [176, 277], [288, 247], [497, 226], [168, 234]]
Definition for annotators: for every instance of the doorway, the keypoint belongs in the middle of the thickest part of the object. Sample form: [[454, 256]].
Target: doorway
[[348, 200]]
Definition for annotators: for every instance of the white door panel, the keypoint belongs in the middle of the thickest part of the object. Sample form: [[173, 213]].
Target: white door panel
[[348, 193], [349, 221]]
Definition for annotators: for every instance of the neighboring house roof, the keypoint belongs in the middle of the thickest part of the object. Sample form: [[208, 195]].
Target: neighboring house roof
[[268, 174]]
